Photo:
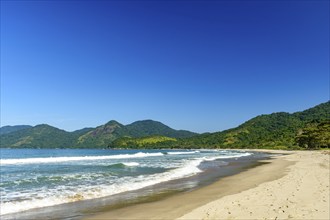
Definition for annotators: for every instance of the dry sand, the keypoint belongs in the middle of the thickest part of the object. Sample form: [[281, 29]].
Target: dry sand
[[292, 186]]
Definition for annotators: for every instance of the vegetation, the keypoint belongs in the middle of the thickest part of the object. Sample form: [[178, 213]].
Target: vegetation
[[104, 135], [150, 128], [9, 129], [309, 129], [314, 136], [273, 131], [277, 130], [143, 142], [40, 136], [45, 136], [101, 136]]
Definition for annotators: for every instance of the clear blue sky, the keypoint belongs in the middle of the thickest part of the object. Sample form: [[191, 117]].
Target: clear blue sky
[[195, 65]]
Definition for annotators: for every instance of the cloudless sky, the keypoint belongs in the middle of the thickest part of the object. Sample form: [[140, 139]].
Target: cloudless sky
[[198, 65]]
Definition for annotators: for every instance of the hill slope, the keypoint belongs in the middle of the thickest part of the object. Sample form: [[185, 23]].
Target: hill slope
[[277, 130], [101, 135], [264, 131], [150, 128], [8, 129], [45, 136], [105, 134], [40, 136]]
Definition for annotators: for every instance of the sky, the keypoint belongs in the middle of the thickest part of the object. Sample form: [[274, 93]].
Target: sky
[[202, 66]]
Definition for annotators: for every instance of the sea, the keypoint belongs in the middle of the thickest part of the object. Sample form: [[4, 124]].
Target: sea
[[43, 183]]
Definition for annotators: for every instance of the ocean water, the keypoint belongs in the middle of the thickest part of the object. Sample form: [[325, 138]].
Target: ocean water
[[37, 178]]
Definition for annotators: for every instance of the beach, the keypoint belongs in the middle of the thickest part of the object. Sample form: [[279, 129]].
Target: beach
[[292, 185]]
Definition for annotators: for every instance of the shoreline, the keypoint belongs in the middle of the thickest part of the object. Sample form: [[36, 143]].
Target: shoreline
[[176, 206]]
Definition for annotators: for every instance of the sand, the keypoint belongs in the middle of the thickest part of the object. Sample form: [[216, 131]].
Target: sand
[[301, 194], [291, 186]]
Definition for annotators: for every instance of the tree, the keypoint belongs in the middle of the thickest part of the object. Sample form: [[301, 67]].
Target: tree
[[314, 136]]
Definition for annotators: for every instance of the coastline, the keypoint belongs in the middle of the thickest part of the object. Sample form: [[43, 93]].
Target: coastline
[[273, 190]]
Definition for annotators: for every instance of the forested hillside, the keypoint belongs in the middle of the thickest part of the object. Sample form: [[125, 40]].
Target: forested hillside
[[9, 129], [278, 130], [45, 136], [305, 129]]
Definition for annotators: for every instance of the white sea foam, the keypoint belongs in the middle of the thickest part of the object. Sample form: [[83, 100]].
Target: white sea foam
[[131, 164], [68, 159], [227, 156], [183, 152]]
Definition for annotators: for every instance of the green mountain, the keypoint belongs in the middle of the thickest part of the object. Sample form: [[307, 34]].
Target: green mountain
[[104, 135], [308, 129], [8, 129], [143, 142], [40, 136], [150, 128], [278, 130], [45, 136]]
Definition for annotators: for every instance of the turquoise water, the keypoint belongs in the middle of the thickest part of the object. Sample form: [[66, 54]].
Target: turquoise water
[[35, 178]]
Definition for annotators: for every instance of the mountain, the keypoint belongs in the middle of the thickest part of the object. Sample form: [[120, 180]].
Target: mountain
[[150, 128], [142, 142], [318, 113], [277, 130], [8, 129], [105, 134], [40, 136], [45, 136], [102, 135]]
